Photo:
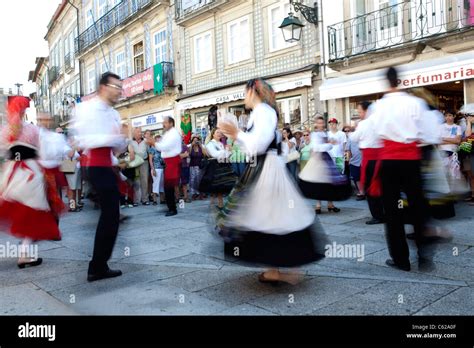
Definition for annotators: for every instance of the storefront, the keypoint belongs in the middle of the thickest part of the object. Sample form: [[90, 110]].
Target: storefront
[[449, 78], [292, 99]]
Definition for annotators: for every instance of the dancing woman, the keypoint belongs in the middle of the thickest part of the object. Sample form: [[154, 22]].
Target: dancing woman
[[29, 203], [265, 219]]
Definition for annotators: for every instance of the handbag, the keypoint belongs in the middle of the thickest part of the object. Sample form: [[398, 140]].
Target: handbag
[[68, 166], [137, 162], [292, 156]]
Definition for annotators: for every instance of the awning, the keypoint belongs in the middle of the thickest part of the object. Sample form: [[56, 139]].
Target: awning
[[440, 70], [279, 84]]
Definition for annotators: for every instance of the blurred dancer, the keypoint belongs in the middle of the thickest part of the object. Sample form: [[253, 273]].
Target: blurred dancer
[[170, 148], [323, 180], [27, 206], [397, 121], [268, 221], [98, 131], [370, 146], [53, 148]]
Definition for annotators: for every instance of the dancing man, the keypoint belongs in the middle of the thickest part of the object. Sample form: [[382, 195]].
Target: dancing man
[[98, 131], [170, 148]]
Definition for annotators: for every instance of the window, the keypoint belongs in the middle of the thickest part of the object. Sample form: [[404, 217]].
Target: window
[[138, 58], [159, 42], [102, 5], [91, 81], [89, 17], [71, 45], [203, 58], [388, 14], [238, 39], [120, 64], [103, 68], [276, 16], [290, 110]]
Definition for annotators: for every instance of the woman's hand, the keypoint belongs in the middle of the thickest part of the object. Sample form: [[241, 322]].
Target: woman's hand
[[229, 130]]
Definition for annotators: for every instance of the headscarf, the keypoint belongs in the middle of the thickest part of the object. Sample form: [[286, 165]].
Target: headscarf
[[17, 105]]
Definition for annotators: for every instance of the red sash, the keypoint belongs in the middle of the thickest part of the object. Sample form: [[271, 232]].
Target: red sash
[[400, 151], [172, 171], [100, 157]]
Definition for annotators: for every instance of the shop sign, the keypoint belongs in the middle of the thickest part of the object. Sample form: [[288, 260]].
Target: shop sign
[[138, 83], [151, 119], [434, 77]]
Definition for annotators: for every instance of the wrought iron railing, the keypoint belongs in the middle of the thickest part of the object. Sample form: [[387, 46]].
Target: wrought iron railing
[[115, 17], [185, 8], [53, 74], [68, 62], [398, 24]]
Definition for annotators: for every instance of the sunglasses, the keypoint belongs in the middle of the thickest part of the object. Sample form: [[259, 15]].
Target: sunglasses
[[306, 135]]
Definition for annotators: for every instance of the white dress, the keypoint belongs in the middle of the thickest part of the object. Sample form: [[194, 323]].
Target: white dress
[[265, 215]]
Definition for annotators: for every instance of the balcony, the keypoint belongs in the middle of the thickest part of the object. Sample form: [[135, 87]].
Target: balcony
[[396, 25], [187, 10], [68, 62], [53, 74], [114, 18]]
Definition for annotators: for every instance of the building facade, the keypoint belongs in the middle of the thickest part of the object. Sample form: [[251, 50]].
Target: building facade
[[222, 44], [134, 39], [63, 66], [430, 42], [39, 77]]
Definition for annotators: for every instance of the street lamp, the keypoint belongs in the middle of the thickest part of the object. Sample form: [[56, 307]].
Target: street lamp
[[292, 26]]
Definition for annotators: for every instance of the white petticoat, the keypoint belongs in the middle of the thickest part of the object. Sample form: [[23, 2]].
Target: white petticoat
[[274, 204]]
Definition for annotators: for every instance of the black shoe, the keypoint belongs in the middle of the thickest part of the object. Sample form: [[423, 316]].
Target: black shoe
[[392, 264], [146, 203], [374, 222], [360, 197], [107, 274], [334, 209], [37, 262], [317, 211], [155, 203], [123, 218], [171, 213]]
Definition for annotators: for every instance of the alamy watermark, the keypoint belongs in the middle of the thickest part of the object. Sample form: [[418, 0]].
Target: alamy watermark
[[346, 251], [10, 250]]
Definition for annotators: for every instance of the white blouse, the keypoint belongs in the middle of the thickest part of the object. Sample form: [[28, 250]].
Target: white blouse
[[263, 123], [217, 150]]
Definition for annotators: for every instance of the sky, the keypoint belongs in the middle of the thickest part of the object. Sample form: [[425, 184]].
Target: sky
[[23, 26]]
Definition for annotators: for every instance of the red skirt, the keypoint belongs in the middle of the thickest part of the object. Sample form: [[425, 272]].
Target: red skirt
[[25, 222], [59, 176], [172, 171]]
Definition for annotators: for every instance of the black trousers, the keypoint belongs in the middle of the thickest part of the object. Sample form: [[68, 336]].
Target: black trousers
[[170, 197], [375, 203], [398, 176], [104, 182]]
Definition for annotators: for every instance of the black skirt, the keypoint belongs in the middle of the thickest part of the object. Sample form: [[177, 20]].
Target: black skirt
[[217, 178]]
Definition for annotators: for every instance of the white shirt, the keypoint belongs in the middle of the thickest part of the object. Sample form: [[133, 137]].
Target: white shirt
[[365, 136], [53, 148], [262, 133], [285, 148], [398, 117], [449, 131], [337, 149], [431, 123], [96, 124], [319, 143], [217, 150], [141, 149], [170, 144]]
